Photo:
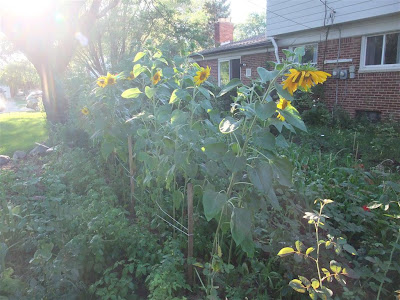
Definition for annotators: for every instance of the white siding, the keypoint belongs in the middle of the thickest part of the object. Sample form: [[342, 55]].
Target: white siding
[[297, 15], [378, 25]]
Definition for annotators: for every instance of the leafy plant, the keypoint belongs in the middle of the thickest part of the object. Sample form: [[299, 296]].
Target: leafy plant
[[315, 287]]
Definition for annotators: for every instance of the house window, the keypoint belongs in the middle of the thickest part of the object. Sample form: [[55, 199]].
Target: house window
[[228, 69], [380, 52], [311, 53]]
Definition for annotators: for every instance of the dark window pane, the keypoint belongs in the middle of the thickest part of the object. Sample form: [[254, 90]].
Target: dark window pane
[[392, 49], [374, 50], [235, 68], [224, 72], [309, 54]]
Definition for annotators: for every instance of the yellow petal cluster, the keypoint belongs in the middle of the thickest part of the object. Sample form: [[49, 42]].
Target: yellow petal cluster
[[305, 79], [202, 75], [283, 103], [103, 81], [156, 77]]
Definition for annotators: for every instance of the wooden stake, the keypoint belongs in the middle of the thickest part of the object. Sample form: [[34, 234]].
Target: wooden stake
[[190, 232], [131, 172]]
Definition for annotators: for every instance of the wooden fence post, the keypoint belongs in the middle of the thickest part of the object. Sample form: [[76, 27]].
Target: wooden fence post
[[131, 173], [190, 232]]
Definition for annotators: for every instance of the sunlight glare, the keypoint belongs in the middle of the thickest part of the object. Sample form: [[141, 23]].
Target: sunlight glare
[[25, 7]]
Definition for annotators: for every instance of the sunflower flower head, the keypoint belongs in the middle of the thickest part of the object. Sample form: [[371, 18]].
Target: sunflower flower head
[[304, 77], [103, 81], [283, 104], [131, 76], [156, 77], [85, 111], [111, 79], [202, 75]]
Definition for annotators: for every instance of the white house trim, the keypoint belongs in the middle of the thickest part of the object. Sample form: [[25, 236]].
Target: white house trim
[[351, 29], [376, 68], [235, 53]]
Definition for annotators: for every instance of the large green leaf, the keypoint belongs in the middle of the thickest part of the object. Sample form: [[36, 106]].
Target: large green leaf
[[282, 92], [131, 93], [138, 56], [205, 92], [273, 200], [215, 151], [283, 170], [265, 110], [138, 69], [235, 82], [264, 139], [213, 203], [240, 224], [150, 92], [350, 249], [179, 117], [293, 119], [229, 125], [261, 176], [248, 245], [266, 75], [234, 163]]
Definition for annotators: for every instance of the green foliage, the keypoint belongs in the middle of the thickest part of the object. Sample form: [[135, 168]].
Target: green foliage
[[20, 131], [315, 287], [20, 75], [254, 25]]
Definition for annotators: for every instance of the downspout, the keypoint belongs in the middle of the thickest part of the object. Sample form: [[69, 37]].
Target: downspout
[[275, 47], [271, 38]]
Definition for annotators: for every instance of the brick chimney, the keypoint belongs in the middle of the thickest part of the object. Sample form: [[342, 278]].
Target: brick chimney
[[223, 32]]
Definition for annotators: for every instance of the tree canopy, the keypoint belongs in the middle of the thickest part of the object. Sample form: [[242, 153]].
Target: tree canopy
[[255, 25]]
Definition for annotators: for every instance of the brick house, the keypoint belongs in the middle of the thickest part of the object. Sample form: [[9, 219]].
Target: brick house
[[357, 41]]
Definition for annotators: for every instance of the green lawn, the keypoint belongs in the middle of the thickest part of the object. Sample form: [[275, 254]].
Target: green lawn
[[20, 131]]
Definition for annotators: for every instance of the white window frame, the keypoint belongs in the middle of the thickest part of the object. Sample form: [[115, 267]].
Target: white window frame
[[376, 68], [315, 58], [225, 59]]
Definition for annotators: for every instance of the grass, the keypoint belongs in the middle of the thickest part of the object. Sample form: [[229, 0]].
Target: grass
[[20, 131]]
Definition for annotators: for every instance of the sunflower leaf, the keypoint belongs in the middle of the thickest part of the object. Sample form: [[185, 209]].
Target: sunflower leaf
[[282, 92], [235, 82], [138, 56], [131, 93]]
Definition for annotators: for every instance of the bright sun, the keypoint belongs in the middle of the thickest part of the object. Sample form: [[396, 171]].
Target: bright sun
[[25, 7]]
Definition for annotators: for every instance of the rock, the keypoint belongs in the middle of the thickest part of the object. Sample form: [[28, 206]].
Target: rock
[[19, 155], [38, 150], [4, 159]]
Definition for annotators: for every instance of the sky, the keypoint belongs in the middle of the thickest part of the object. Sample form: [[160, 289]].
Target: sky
[[240, 9]]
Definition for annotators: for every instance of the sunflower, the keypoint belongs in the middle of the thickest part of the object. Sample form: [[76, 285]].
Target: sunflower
[[202, 75], [103, 81], [156, 77], [85, 111], [305, 78], [283, 104], [111, 79], [131, 76]]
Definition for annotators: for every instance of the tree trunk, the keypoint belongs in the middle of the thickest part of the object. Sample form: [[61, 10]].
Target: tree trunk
[[54, 100]]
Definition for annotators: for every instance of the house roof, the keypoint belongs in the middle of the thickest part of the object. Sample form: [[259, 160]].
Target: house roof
[[252, 42]]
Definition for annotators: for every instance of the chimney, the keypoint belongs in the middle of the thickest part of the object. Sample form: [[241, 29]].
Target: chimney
[[223, 32]]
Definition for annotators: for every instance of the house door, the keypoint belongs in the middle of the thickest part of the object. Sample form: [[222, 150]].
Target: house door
[[235, 68]]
